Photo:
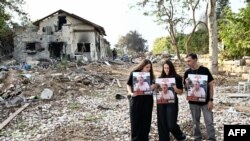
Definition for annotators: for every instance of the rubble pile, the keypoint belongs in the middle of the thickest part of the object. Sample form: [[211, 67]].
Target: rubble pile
[[88, 102]]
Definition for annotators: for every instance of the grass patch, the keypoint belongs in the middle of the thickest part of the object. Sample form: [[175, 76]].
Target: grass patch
[[74, 105], [91, 117]]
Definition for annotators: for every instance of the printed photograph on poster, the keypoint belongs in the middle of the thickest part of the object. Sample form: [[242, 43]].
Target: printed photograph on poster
[[166, 91], [197, 87], [141, 83]]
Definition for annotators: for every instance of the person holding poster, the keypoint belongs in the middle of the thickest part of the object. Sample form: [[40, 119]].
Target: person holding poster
[[167, 113], [140, 107], [197, 106]]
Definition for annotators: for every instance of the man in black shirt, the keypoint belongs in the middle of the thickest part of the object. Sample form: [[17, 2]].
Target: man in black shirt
[[196, 106]]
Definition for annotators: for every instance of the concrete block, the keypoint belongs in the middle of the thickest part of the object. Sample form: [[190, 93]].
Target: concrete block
[[245, 76], [46, 94]]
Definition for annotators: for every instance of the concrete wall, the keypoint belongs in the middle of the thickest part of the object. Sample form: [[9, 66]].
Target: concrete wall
[[22, 39], [104, 49], [230, 67]]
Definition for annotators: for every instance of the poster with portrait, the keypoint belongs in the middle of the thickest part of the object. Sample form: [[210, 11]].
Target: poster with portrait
[[141, 83], [166, 92], [197, 87]]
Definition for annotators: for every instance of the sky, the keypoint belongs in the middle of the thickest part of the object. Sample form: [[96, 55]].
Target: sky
[[114, 16]]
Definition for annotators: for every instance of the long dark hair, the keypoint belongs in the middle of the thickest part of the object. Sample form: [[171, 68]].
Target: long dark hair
[[142, 65], [172, 71]]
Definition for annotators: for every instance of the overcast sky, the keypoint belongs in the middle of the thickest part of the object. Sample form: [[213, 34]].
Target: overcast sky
[[114, 15]]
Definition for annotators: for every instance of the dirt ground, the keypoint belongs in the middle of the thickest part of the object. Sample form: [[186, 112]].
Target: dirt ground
[[101, 82]]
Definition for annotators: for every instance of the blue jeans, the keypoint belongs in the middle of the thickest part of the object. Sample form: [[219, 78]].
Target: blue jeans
[[208, 118], [167, 122]]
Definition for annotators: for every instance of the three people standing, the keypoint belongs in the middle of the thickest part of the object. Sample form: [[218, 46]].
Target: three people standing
[[167, 114]]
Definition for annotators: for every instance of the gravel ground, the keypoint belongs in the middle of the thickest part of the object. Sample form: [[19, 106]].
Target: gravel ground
[[100, 117], [96, 115]]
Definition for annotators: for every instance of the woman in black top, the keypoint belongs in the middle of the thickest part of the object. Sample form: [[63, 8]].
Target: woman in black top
[[140, 106], [167, 113]]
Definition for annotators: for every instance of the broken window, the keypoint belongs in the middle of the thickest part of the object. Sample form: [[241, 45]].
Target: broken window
[[61, 21], [55, 49], [43, 29], [83, 47], [79, 47], [87, 47], [47, 30], [31, 46]]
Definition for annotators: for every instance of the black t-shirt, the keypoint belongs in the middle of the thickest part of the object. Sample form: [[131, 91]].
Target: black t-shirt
[[201, 71], [130, 81]]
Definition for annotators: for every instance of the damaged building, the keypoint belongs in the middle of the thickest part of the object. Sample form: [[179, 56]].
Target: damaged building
[[58, 35]]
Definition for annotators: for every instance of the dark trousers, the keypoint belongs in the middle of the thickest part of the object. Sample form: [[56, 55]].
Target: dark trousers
[[167, 122], [140, 117]]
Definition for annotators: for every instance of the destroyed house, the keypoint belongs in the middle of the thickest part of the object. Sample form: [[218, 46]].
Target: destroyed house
[[60, 34]]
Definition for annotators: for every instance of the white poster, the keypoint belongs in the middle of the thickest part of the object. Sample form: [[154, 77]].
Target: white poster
[[166, 93], [141, 83], [197, 87]]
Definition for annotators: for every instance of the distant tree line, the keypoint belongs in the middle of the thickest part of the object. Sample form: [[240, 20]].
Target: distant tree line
[[131, 43]]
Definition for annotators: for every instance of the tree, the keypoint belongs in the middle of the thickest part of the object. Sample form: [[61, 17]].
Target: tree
[[132, 41], [162, 44], [213, 40], [221, 4], [168, 13], [136, 42], [8, 8], [198, 44], [193, 5], [234, 32], [173, 15]]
